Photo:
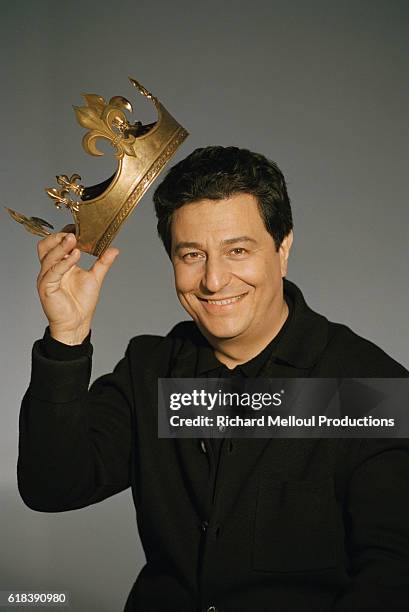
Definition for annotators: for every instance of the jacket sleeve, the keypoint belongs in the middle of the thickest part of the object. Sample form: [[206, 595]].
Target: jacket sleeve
[[74, 443], [377, 523]]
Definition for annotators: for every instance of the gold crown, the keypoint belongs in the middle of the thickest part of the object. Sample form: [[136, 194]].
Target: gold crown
[[142, 152]]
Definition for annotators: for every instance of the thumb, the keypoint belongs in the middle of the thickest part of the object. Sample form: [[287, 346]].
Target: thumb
[[103, 263]]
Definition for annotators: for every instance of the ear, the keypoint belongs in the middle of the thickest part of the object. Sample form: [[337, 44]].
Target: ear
[[284, 252]]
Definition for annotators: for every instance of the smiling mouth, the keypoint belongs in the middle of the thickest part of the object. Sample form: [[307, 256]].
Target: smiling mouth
[[224, 301]]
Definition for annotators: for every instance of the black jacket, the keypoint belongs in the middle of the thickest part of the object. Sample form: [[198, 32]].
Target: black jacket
[[297, 525]]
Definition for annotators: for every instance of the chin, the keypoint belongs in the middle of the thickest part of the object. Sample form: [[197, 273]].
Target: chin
[[220, 332]]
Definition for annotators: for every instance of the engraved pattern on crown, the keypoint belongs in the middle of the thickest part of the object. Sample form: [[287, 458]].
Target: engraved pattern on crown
[[153, 171]]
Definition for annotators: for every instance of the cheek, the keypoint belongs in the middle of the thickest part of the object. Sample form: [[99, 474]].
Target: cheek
[[251, 272], [260, 273], [187, 278]]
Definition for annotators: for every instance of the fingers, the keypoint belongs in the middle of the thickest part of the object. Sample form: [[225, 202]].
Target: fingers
[[58, 255], [103, 263], [58, 259], [45, 245], [54, 275]]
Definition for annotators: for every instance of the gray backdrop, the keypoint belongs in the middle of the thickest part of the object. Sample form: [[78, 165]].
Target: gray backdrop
[[318, 86]]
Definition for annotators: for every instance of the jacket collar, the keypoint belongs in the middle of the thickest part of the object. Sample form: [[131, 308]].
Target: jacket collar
[[307, 333]]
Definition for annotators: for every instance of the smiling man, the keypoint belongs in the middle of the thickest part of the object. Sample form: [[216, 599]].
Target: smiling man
[[227, 525], [229, 278]]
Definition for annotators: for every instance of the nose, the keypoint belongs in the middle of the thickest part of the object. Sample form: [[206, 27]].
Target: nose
[[216, 274]]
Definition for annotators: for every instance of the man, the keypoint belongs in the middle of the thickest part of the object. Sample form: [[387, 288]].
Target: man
[[231, 525]]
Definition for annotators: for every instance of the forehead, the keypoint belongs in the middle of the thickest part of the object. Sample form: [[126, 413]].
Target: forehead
[[236, 215]]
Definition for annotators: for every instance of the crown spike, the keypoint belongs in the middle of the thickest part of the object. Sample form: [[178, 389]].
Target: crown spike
[[142, 90]]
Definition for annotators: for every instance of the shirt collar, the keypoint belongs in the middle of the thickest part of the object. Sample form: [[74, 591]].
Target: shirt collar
[[207, 362]]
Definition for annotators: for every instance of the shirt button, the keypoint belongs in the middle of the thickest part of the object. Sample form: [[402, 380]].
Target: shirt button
[[203, 446], [211, 609], [204, 526]]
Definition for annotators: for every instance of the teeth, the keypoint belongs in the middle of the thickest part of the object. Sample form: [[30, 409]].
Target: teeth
[[228, 301]]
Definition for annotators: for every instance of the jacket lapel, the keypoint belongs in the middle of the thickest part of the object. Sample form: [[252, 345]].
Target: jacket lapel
[[193, 469]]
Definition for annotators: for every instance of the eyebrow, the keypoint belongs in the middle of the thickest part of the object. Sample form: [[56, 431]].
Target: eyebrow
[[197, 245]]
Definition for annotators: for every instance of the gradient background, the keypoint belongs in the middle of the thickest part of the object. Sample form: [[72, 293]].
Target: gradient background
[[317, 86]]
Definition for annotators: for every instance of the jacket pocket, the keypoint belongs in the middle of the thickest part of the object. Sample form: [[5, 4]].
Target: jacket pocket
[[295, 526]]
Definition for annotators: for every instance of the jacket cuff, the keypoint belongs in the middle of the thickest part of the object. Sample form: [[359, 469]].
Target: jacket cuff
[[54, 349], [54, 380]]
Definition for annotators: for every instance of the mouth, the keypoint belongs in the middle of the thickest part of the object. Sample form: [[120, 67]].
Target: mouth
[[224, 301]]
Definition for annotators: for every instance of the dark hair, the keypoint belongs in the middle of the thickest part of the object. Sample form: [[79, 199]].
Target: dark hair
[[216, 173]]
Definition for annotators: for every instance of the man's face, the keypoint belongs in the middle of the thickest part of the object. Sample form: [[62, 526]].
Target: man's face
[[228, 274]]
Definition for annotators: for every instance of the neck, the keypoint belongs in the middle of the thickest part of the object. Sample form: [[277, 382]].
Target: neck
[[234, 351]]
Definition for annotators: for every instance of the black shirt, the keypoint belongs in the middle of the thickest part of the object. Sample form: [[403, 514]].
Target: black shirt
[[208, 366]]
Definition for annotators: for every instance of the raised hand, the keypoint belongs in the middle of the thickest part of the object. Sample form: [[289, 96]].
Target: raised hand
[[69, 294]]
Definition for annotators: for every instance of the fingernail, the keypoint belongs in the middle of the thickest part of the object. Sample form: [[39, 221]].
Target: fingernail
[[68, 237]]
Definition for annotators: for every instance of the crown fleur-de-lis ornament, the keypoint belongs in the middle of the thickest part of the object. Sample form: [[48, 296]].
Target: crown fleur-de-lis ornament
[[60, 196], [142, 152]]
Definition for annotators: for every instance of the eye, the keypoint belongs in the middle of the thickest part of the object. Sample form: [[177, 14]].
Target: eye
[[192, 255], [238, 251]]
